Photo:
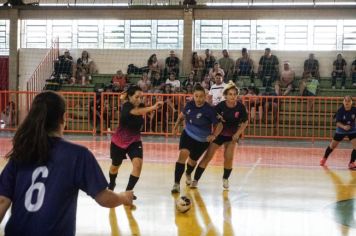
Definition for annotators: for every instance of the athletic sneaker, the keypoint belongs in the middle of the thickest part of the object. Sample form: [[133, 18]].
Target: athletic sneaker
[[111, 186], [188, 180], [176, 188], [323, 161], [194, 184], [352, 166], [226, 184]]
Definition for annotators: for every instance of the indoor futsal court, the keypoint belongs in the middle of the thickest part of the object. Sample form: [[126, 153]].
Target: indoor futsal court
[[276, 188]]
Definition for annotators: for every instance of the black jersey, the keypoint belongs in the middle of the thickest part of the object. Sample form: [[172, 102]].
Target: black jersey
[[231, 117]]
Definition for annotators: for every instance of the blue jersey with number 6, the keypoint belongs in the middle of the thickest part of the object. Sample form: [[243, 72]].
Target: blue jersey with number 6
[[44, 198]]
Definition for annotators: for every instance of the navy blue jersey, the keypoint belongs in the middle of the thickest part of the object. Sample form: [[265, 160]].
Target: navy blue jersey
[[198, 120], [232, 117], [44, 198], [346, 118]]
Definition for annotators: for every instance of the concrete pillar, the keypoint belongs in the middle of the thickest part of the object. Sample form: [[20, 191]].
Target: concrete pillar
[[13, 52], [188, 36]]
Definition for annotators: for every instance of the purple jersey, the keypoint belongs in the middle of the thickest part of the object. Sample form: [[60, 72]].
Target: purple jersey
[[346, 118], [198, 120], [44, 198], [130, 126], [232, 117]]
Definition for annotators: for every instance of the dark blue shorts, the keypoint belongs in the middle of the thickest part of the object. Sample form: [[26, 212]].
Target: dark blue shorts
[[340, 137], [195, 147]]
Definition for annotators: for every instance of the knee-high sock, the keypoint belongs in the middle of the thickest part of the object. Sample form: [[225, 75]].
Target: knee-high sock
[[227, 173], [327, 152], [353, 156], [178, 172], [132, 182], [112, 177], [198, 173], [189, 169]]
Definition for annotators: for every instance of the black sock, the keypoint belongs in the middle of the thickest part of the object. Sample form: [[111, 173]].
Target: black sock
[[132, 182], [112, 177], [178, 172], [189, 169], [227, 173], [327, 152], [198, 173], [353, 156]]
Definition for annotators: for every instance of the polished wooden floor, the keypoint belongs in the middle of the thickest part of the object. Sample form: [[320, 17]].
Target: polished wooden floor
[[276, 188]]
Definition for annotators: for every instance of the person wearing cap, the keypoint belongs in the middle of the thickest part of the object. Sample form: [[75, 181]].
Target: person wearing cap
[[227, 65], [233, 115], [244, 66], [339, 71], [216, 91], [286, 80], [311, 67], [268, 68], [172, 64]]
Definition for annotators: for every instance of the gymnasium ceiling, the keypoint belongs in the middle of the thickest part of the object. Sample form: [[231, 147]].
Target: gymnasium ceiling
[[176, 2]]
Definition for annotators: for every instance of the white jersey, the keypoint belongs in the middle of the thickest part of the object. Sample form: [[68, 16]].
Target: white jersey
[[216, 91]]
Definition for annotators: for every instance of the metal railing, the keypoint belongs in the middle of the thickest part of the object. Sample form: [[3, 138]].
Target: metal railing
[[44, 70]]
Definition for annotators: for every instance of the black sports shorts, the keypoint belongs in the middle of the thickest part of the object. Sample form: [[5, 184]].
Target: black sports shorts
[[118, 154]]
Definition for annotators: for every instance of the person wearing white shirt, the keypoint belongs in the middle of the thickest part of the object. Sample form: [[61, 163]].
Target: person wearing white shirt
[[175, 83], [216, 90]]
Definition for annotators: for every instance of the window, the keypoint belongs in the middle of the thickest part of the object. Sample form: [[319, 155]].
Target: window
[[276, 34], [4, 37], [147, 34]]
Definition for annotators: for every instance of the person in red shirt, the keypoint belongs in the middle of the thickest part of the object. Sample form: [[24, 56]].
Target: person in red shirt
[[119, 80]]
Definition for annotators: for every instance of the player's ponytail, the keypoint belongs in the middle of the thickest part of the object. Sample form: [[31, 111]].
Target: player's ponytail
[[31, 143]]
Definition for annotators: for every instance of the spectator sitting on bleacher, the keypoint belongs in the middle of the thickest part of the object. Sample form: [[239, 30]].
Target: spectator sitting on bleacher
[[309, 87], [244, 66], [174, 82], [253, 104], [188, 89], [119, 81], [157, 83], [215, 70], [153, 66], [85, 68], [144, 83], [227, 65], [339, 71], [353, 73], [63, 68], [311, 67], [286, 80], [197, 66], [172, 64], [209, 61], [207, 83], [189, 80], [268, 68], [216, 91]]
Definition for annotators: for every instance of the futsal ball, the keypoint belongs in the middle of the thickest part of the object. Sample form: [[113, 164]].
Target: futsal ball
[[183, 204]]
